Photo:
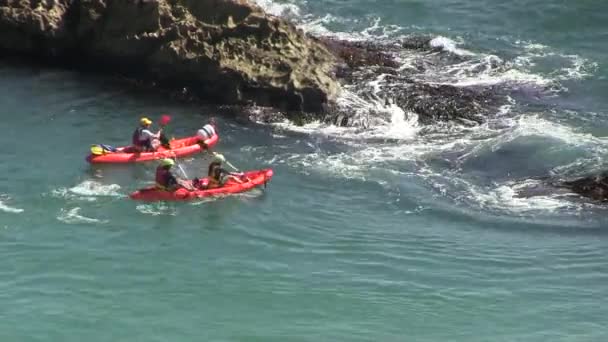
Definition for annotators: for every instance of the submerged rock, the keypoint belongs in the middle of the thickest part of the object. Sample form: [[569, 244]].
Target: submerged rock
[[225, 51], [594, 187]]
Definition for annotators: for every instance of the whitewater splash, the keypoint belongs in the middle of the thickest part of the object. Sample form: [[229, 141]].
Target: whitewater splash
[[6, 208], [72, 216], [285, 10], [414, 158], [383, 135], [88, 190], [156, 209]]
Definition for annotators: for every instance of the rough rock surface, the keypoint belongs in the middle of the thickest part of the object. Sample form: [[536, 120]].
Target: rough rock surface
[[363, 62], [226, 51], [594, 187]]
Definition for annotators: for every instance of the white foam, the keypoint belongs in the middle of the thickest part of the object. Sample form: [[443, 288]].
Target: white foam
[[531, 46], [534, 125], [93, 188], [505, 197], [72, 216], [6, 208], [89, 190], [449, 45], [463, 142], [373, 118], [398, 125], [402, 126], [318, 27], [581, 68], [156, 209], [376, 30], [286, 10]]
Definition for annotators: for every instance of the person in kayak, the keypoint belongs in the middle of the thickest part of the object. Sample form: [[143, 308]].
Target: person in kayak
[[208, 131], [143, 139], [165, 179], [216, 175]]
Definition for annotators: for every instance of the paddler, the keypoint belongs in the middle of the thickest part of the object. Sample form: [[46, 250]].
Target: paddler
[[143, 139], [166, 180], [206, 132], [216, 175]]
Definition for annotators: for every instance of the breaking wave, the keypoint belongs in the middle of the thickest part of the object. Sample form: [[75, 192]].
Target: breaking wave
[[381, 134]]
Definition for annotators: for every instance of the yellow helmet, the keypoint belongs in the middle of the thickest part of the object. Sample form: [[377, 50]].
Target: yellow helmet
[[167, 162], [145, 121]]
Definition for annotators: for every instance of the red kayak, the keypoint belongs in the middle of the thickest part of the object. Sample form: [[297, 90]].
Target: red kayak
[[250, 180], [179, 148]]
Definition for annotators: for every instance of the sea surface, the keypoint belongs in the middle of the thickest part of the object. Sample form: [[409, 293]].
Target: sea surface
[[388, 232]]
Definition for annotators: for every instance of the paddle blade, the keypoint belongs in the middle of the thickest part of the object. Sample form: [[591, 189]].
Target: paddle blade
[[165, 119]]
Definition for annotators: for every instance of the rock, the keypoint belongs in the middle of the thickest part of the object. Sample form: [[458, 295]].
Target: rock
[[266, 115], [225, 51], [436, 103], [417, 42], [357, 54], [594, 187], [366, 62]]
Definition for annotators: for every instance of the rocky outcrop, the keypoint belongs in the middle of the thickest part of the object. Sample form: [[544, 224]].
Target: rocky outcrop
[[225, 51], [369, 62], [594, 187]]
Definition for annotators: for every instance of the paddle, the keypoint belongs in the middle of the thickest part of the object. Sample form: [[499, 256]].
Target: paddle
[[164, 121], [232, 166], [179, 166], [186, 185]]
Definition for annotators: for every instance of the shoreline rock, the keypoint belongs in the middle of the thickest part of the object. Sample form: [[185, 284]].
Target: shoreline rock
[[224, 51], [594, 187], [364, 62], [229, 52]]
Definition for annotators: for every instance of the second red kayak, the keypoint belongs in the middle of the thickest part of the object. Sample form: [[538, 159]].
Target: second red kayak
[[250, 180], [179, 148]]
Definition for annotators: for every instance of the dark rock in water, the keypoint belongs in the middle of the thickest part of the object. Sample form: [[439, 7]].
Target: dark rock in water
[[225, 51], [416, 42], [435, 103], [367, 61], [360, 53], [248, 114], [594, 187]]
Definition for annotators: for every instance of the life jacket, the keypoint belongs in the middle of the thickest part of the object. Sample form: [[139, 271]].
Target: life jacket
[[163, 178], [206, 132], [135, 138]]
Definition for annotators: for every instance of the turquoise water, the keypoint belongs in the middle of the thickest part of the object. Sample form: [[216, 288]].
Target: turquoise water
[[388, 235]]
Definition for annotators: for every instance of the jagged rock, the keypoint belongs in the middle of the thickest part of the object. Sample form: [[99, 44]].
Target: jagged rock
[[594, 187], [365, 61], [435, 103], [422, 42], [360, 54], [226, 51]]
